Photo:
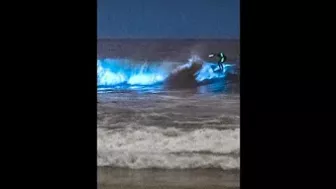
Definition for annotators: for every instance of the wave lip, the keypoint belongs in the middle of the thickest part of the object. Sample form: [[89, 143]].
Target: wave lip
[[171, 148]]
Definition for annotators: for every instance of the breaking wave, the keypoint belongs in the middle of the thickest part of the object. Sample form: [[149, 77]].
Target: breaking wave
[[124, 73]]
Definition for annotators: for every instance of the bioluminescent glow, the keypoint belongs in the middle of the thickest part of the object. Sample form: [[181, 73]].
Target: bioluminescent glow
[[116, 71], [210, 71], [121, 73], [145, 79]]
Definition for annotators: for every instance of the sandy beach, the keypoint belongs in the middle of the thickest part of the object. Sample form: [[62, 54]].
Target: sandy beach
[[112, 178]]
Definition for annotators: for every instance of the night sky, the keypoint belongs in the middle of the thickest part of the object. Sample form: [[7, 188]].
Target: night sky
[[168, 18]]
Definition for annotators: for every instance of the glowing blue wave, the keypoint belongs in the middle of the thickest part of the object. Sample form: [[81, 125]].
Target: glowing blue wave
[[112, 73], [210, 71]]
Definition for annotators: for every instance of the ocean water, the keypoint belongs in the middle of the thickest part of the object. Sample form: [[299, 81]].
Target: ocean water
[[164, 124]]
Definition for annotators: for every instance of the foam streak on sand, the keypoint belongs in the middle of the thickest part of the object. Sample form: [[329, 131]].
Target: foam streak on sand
[[171, 148]]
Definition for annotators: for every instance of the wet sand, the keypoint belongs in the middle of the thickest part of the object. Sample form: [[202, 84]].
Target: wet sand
[[115, 178]]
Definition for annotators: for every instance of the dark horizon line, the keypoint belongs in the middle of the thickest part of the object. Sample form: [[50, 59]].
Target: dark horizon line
[[166, 38]]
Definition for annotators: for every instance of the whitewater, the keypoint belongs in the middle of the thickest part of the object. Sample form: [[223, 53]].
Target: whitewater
[[144, 124]]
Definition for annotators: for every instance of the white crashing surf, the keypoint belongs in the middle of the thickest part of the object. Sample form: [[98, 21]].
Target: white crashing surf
[[170, 148]]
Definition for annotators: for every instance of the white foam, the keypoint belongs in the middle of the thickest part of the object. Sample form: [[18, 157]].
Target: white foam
[[145, 79], [139, 160], [168, 148]]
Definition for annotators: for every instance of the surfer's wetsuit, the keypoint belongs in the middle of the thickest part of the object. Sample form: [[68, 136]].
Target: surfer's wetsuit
[[222, 59]]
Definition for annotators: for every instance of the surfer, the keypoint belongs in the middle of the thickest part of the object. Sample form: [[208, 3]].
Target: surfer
[[222, 59]]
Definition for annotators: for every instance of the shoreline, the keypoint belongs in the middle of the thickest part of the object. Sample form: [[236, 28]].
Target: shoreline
[[110, 177]]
